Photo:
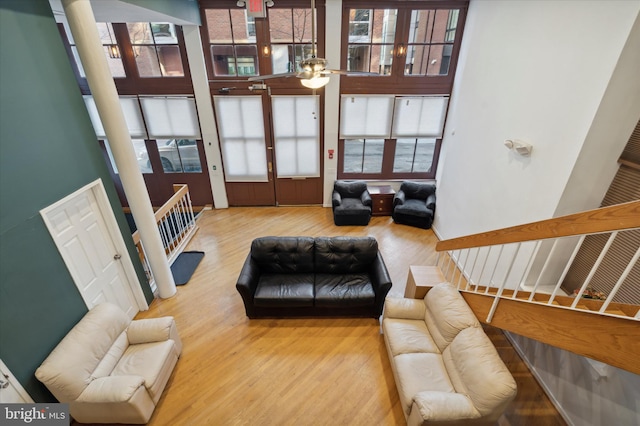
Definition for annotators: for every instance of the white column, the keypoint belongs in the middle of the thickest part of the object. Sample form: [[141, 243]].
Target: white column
[[333, 29], [85, 32], [204, 104]]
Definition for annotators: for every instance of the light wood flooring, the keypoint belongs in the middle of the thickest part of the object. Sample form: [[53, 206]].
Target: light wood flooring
[[236, 371]]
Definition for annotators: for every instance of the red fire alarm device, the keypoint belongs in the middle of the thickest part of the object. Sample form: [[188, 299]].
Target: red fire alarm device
[[256, 9], [331, 154]]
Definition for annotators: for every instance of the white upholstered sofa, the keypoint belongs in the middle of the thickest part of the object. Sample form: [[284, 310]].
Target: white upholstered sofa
[[111, 369], [446, 369]]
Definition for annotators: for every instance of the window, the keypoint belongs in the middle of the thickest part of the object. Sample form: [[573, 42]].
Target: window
[[390, 137], [242, 142], [296, 135], [431, 38], [179, 155], [290, 32], [232, 42], [412, 47], [110, 46], [371, 40], [156, 50]]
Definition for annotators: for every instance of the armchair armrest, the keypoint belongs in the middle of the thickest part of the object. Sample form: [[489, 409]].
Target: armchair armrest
[[403, 308], [336, 199], [366, 198], [111, 389], [399, 198], [444, 406], [431, 202]]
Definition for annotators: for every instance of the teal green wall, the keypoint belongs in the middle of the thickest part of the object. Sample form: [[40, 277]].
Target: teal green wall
[[47, 150]]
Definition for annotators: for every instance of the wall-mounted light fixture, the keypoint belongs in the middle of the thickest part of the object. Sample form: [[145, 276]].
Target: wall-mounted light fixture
[[520, 147], [265, 50], [114, 52]]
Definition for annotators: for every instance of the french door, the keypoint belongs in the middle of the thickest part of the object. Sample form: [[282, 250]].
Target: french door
[[270, 149]]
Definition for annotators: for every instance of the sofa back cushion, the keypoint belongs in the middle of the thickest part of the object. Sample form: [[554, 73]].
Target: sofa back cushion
[[446, 314], [345, 255], [476, 370], [283, 254], [418, 190], [350, 189], [69, 367]]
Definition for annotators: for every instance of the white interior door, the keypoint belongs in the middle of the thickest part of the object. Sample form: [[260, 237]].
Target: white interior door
[[79, 228], [11, 391]]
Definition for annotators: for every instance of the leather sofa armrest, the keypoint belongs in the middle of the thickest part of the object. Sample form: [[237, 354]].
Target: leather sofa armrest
[[336, 199], [111, 389], [366, 198], [403, 308], [248, 283], [436, 406], [380, 280], [399, 198], [431, 202], [154, 330]]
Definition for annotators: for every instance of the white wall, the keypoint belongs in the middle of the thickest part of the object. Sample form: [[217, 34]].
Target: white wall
[[535, 71]]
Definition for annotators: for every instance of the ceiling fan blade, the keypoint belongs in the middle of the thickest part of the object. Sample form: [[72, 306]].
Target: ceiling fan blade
[[354, 73], [266, 77]]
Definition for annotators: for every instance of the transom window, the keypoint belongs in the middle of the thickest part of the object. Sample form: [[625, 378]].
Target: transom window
[[290, 37], [155, 48], [232, 42]]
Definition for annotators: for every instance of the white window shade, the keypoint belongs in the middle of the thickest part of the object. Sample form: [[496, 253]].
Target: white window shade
[[171, 117], [241, 133], [132, 116], [416, 117], [296, 130], [363, 116]]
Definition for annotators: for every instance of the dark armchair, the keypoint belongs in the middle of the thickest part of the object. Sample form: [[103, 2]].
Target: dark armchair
[[415, 204], [351, 203]]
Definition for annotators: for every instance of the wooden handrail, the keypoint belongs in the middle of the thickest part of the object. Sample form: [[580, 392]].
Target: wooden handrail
[[180, 190], [606, 219]]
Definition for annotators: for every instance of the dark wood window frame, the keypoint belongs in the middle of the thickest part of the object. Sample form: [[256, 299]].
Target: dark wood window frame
[[398, 82], [133, 84]]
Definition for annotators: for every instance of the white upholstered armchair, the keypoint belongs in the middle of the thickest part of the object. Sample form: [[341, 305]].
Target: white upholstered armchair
[[111, 369]]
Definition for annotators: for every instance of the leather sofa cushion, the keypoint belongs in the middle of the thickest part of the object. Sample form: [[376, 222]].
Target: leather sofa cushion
[[283, 254], [351, 206], [414, 207], [419, 190], [344, 290], [153, 361], [470, 359], [446, 314], [420, 372], [344, 255], [408, 336], [284, 290], [350, 189]]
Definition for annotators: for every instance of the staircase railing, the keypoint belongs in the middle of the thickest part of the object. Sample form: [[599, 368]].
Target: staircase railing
[[176, 224], [537, 256], [512, 278]]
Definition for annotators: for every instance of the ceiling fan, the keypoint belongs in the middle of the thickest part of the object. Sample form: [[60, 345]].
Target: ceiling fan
[[314, 72]]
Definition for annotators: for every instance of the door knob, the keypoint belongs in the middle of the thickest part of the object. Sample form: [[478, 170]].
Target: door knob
[[117, 256]]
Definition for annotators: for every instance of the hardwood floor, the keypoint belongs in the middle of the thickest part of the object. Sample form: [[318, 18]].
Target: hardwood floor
[[236, 371]]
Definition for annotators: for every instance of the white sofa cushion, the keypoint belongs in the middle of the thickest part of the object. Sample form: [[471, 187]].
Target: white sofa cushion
[[446, 314], [418, 372], [69, 367], [408, 336], [148, 360], [470, 359]]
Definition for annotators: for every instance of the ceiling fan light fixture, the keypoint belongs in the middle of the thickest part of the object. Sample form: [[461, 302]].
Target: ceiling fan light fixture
[[315, 82]]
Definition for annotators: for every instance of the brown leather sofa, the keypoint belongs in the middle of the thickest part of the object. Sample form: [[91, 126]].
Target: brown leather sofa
[[305, 276]]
